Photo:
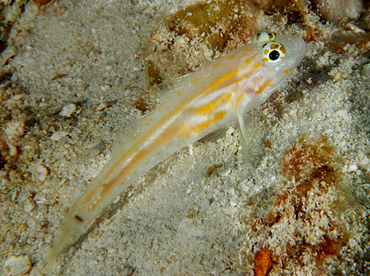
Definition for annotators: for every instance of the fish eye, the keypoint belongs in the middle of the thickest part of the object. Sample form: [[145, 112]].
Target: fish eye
[[273, 52], [274, 55]]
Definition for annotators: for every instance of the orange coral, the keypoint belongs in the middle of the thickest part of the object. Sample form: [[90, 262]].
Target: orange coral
[[263, 262]]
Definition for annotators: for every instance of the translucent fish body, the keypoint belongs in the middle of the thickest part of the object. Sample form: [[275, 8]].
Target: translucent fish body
[[200, 103]]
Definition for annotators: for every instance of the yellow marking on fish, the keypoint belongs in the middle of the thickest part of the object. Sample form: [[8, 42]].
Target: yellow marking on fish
[[212, 86], [254, 68], [165, 136], [263, 87], [196, 80], [238, 99], [177, 109], [248, 60], [168, 134], [256, 65], [207, 108], [274, 46], [202, 126], [91, 194]]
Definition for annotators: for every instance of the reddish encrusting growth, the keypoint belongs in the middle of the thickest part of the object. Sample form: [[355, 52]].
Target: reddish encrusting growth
[[310, 161], [302, 229], [310, 170]]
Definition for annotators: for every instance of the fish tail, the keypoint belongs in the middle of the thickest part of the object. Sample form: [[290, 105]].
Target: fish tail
[[68, 233]]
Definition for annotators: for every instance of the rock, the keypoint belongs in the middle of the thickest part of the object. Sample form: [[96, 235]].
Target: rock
[[17, 265]]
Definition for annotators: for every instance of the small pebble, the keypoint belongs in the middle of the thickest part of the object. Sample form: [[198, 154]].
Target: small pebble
[[230, 131], [191, 150], [13, 150], [230, 210], [58, 135], [292, 112], [17, 97], [337, 76], [352, 168], [14, 101], [366, 70], [116, 200], [104, 105], [316, 115], [68, 110], [224, 172], [43, 172], [28, 206], [17, 265], [355, 29], [14, 196], [15, 130]]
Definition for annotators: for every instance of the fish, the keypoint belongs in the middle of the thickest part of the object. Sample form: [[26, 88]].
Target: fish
[[197, 105]]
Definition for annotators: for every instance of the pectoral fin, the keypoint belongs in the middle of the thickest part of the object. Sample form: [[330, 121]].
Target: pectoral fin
[[251, 144], [245, 139]]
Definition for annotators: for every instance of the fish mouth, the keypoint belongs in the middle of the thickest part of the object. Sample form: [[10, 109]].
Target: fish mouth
[[296, 46]]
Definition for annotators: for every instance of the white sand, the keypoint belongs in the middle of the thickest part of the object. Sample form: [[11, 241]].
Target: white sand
[[175, 221]]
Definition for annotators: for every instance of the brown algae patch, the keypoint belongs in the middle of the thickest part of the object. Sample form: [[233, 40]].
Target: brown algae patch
[[302, 229], [202, 31]]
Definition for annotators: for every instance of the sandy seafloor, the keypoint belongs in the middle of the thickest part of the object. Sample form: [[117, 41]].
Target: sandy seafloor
[[177, 220]]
